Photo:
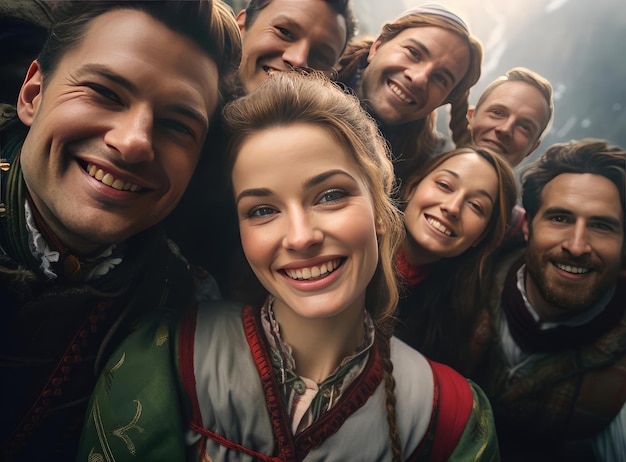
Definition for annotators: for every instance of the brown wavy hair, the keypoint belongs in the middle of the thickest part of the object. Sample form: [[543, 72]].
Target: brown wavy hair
[[451, 300], [415, 141]]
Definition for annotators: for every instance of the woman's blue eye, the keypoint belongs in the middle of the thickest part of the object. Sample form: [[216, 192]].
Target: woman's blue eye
[[261, 211], [332, 195]]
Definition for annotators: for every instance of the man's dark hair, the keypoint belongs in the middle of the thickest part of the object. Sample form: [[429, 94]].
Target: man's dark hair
[[209, 23], [343, 7], [588, 155]]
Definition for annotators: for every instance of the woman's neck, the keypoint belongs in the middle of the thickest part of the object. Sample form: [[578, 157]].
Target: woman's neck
[[320, 345], [418, 256]]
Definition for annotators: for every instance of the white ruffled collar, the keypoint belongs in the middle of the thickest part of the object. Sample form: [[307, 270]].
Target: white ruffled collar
[[100, 264]]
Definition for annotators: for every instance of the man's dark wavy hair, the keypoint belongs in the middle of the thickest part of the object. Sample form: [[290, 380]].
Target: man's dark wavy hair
[[587, 155], [209, 23], [343, 7]]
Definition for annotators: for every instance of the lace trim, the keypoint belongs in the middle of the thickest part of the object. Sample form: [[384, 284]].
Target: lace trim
[[110, 258]]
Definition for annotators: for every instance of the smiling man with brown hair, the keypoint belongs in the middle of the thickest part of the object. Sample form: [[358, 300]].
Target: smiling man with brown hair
[[111, 122], [558, 365]]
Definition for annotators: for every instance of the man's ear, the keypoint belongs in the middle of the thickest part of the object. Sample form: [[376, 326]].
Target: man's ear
[[373, 49], [525, 228], [30, 95], [470, 118], [241, 21]]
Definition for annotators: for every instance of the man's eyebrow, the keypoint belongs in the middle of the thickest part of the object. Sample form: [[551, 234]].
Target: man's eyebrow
[[287, 20], [283, 19], [557, 211], [190, 112], [106, 72], [531, 122], [424, 49]]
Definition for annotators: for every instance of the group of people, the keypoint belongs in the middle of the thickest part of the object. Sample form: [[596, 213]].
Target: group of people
[[240, 237]]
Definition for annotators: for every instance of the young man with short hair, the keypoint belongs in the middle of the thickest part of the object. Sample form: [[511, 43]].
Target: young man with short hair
[[111, 121], [512, 114]]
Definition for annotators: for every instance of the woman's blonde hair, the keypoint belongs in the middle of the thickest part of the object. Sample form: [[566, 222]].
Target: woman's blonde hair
[[291, 97]]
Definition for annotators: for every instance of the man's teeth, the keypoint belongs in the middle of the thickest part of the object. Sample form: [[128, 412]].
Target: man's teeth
[[438, 225], [403, 96], [109, 180], [572, 269], [313, 272]]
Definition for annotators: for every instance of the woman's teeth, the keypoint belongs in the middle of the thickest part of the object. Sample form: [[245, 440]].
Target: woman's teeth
[[313, 272]]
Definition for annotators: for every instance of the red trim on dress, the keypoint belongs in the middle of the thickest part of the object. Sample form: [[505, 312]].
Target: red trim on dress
[[231, 445], [289, 448], [260, 354], [354, 397], [413, 274], [455, 403]]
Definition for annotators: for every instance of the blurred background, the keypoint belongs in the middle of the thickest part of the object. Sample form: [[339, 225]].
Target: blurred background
[[579, 45]]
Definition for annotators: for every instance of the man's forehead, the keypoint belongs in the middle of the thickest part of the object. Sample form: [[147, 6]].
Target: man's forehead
[[323, 11], [583, 193]]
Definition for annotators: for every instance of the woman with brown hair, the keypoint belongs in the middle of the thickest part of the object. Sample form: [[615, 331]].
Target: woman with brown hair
[[457, 211]]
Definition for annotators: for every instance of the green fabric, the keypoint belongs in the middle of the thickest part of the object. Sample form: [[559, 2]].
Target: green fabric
[[141, 418], [13, 190], [479, 440], [135, 412]]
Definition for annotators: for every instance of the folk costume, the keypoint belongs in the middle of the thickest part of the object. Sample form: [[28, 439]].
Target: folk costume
[[557, 389], [61, 316], [221, 385]]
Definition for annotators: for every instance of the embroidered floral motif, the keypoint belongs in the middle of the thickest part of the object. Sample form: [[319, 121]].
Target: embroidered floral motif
[[120, 432], [161, 335]]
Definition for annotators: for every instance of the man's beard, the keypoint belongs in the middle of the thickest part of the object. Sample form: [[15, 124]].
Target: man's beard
[[571, 298]]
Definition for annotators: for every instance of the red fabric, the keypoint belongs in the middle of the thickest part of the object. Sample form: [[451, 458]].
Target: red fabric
[[355, 396], [529, 335], [413, 274], [232, 445], [260, 353], [454, 402], [290, 448]]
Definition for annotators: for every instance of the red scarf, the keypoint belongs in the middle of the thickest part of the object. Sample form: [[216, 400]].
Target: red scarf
[[531, 338], [413, 274]]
